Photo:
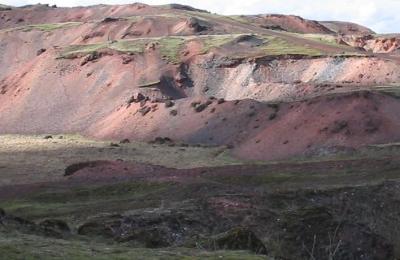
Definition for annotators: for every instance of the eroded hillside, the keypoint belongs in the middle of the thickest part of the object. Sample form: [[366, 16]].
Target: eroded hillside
[[168, 132], [139, 71]]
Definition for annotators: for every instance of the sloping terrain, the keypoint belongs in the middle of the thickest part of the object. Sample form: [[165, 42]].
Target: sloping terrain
[[140, 71], [347, 28], [289, 23], [168, 132], [342, 207]]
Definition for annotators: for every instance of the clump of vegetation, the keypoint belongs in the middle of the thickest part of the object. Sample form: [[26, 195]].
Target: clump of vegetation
[[199, 107], [169, 103], [216, 41], [279, 46], [169, 47]]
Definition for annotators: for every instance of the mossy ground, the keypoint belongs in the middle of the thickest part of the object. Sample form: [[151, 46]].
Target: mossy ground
[[261, 191], [31, 247], [76, 204], [170, 47]]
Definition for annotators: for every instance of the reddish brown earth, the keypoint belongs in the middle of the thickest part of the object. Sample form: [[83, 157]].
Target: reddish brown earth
[[290, 23], [317, 107], [376, 44], [347, 28]]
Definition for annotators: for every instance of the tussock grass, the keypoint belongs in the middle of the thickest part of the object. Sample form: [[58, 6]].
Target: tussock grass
[[279, 46], [216, 41], [169, 47], [15, 245]]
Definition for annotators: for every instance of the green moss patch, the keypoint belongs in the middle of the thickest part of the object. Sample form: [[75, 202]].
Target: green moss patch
[[169, 47], [89, 200]]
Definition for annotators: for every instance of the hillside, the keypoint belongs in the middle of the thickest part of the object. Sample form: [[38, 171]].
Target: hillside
[[129, 129], [109, 71]]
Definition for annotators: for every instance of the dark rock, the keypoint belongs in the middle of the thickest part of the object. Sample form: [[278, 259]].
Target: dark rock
[[272, 116], [252, 114], [169, 103], [173, 112], [109, 20], [73, 168], [144, 110], [195, 103], [221, 100], [127, 59], [162, 140], [48, 137], [274, 106], [201, 107], [125, 141], [91, 57], [140, 97], [143, 103], [40, 51]]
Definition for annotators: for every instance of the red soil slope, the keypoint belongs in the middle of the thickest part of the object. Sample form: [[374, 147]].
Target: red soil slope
[[347, 28], [290, 23], [160, 86]]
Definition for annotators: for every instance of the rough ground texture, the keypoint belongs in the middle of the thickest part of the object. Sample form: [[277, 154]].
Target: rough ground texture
[[108, 71], [324, 208], [237, 137]]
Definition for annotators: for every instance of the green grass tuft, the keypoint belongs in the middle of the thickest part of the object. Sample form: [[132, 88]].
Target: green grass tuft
[[279, 46], [170, 48]]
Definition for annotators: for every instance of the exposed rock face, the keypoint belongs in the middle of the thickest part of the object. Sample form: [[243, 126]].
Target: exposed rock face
[[107, 69], [375, 44]]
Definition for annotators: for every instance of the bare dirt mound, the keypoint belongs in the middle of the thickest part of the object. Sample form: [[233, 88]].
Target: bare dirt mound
[[347, 28], [290, 23], [325, 125]]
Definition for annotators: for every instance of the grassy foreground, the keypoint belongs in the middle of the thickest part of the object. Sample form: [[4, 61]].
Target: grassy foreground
[[28, 159]]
